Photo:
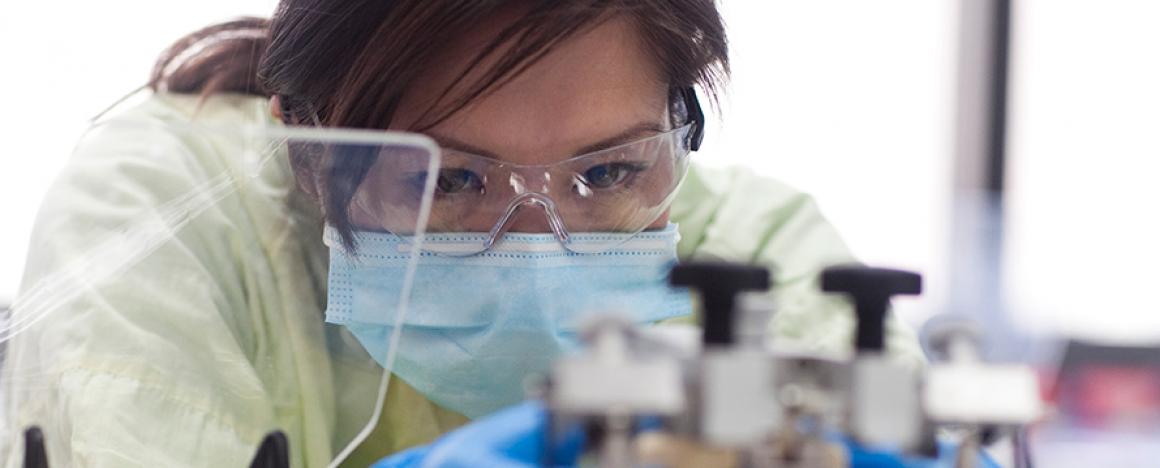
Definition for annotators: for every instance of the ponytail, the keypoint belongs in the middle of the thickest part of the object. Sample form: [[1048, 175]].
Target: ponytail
[[222, 58]]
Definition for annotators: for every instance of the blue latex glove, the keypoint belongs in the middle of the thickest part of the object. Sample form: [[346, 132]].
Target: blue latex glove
[[515, 437], [863, 458], [512, 438]]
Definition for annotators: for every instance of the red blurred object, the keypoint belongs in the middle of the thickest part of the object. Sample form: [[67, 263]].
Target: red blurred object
[[1108, 388], [1120, 398]]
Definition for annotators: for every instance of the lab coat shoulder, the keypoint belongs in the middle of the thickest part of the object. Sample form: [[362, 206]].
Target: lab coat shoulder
[[733, 214], [145, 354]]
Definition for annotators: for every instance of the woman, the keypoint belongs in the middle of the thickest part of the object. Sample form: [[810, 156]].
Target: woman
[[510, 83]]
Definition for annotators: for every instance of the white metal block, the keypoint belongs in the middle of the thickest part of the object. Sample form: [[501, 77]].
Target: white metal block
[[885, 409], [585, 385], [739, 401], [978, 393]]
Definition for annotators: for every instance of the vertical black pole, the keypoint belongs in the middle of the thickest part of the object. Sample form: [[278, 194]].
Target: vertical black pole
[[977, 232], [1000, 79]]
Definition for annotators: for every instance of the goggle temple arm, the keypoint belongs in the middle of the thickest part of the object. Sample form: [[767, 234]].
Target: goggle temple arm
[[696, 117]]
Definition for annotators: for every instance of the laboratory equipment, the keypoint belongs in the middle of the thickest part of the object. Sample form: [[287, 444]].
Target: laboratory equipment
[[651, 399]]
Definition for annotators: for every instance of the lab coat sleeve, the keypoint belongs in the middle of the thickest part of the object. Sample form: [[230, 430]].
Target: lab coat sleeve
[[734, 215], [140, 353]]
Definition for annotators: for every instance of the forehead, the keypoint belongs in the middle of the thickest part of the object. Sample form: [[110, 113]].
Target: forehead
[[590, 87]]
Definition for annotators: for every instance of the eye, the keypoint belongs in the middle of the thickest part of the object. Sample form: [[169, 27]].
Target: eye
[[608, 175], [457, 180]]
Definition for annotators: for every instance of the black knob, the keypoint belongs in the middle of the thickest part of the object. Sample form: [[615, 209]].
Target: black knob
[[273, 453], [719, 283], [35, 456], [870, 289]]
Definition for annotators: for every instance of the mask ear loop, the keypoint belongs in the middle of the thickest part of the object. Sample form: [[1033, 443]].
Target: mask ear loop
[[290, 118]]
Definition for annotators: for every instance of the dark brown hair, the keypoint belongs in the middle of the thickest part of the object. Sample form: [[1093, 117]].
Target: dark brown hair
[[347, 63]]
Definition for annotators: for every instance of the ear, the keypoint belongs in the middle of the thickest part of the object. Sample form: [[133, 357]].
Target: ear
[[305, 173], [276, 108]]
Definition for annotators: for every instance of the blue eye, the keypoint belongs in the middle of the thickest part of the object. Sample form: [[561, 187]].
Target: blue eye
[[457, 180], [608, 175]]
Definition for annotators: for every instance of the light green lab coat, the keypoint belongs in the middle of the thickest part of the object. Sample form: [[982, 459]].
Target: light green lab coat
[[216, 338]]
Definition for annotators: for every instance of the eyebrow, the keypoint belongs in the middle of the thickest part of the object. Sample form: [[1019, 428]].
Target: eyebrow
[[635, 132]]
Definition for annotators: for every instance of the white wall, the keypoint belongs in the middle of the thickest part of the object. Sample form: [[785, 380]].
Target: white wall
[[1085, 174], [851, 101]]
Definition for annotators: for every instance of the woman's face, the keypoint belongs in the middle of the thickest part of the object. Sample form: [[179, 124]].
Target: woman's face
[[596, 90]]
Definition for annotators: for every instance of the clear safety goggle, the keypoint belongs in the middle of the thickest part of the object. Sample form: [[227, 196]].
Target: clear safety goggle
[[619, 192]]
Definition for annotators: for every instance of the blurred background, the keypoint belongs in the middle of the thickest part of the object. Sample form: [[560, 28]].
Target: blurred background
[[851, 101]]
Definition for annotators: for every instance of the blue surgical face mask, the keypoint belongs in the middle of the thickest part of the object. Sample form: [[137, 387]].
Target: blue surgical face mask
[[478, 326]]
